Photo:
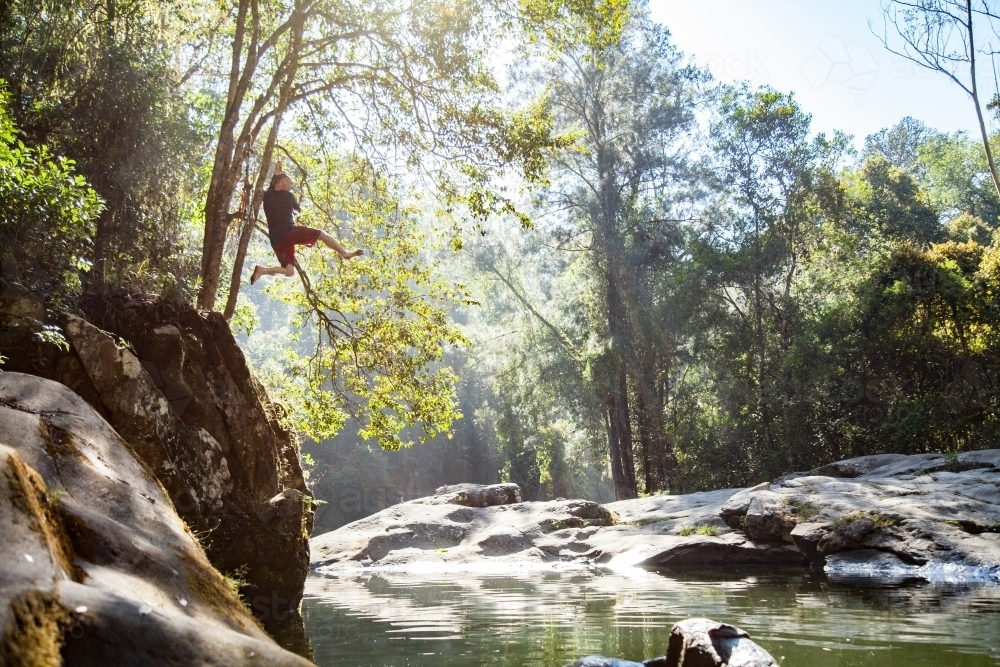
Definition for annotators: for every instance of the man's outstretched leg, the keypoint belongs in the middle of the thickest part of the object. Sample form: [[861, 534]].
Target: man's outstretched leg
[[259, 271], [285, 251], [341, 250]]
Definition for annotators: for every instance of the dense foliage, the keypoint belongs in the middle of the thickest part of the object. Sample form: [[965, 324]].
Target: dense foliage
[[614, 277], [705, 318], [47, 215], [175, 112], [97, 81], [375, 330]]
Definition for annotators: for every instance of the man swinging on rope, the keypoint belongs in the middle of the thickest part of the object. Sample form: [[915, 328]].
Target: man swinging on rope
[[279, 207]]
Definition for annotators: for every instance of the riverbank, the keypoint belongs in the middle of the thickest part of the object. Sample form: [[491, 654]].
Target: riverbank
[[926, 516]]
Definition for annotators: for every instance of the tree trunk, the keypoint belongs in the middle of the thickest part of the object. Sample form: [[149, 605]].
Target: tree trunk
[[216, 227], [226, 165], [232, 151], [665, 453], [619, 449], [620, 440], [646, 446], [614, 449], [625, 421], [250, 215], [975, 99]]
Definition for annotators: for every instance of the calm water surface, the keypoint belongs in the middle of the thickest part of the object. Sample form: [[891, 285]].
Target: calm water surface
[[803, 618]]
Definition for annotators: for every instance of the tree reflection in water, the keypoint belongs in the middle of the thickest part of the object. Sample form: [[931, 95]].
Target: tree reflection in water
[[552, 618]]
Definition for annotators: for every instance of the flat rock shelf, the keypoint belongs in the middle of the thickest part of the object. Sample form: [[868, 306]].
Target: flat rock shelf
[[926, 516]]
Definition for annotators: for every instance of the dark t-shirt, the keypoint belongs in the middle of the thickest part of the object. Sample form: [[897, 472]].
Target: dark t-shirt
[[278, 209]]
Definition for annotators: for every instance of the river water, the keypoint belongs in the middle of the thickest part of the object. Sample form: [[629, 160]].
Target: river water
[[804, 618]]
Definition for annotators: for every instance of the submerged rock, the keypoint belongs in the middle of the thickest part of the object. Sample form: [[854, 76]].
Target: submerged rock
[[700, 642], [98, 569], [885, 566], [697, 642]]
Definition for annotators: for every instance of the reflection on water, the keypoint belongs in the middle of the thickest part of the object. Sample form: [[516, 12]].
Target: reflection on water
[[803, 618]]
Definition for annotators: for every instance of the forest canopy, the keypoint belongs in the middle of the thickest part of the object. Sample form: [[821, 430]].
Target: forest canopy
[[590, 268]]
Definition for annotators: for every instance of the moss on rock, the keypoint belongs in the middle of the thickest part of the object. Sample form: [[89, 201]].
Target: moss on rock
[[36, 631]]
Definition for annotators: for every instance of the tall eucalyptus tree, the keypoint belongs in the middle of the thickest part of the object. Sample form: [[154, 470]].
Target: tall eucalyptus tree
[[622, 197], [778, 183]]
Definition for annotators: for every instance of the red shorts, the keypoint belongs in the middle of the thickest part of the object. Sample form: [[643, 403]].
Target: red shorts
[[285, 250]]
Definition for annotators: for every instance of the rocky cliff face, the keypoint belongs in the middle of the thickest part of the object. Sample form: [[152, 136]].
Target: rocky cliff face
[[98, 569], [174, 384]]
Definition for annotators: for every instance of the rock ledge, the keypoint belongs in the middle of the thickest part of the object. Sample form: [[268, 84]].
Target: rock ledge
[[931, 516]]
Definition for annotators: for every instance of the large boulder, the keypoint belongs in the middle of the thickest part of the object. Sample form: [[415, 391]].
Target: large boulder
[[700, 642], [769, 516], [730, 549], [697, 642], [98, 568], [659, 531], [419, 533], [174, 383], [24, 344], [475, 495], [188, 462], [851, 468], [927, 510], [735, 509]]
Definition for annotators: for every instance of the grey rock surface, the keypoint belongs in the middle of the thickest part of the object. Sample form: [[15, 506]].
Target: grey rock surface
[[923, 509], [697, 642], [193, 359], [175, 385], [22, 320], [97, 567], [601, 661], [700, 642], [189, 463], [415, 532], [645, 531], [474, 495], [856, 467], [939, 516]]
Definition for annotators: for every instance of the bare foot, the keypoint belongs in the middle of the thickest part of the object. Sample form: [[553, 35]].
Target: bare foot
[[352, 255], [257, 271]]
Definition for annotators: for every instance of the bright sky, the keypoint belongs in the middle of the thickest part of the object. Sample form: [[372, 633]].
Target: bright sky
[[823, 51]]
